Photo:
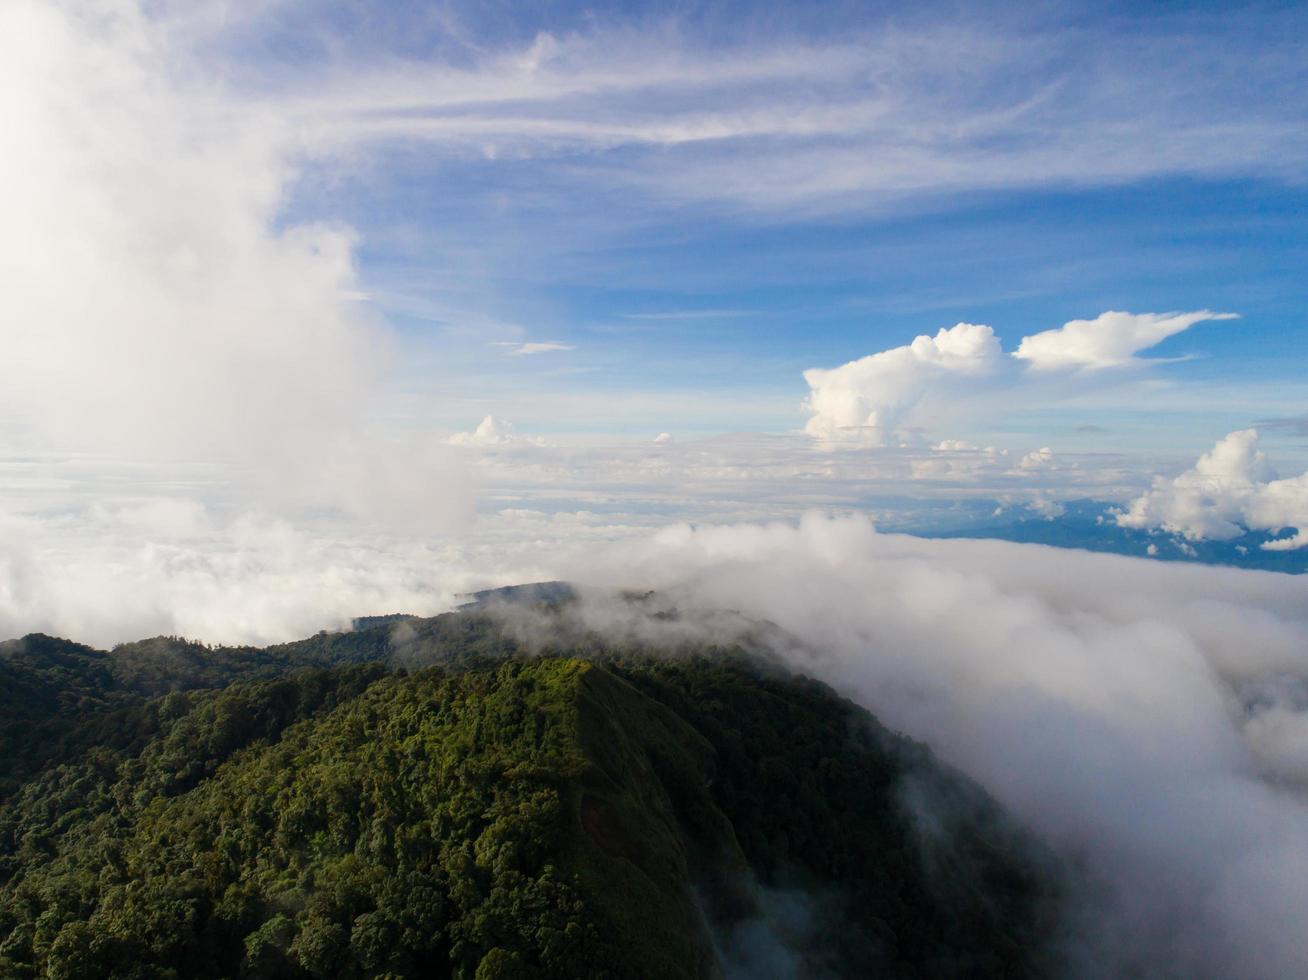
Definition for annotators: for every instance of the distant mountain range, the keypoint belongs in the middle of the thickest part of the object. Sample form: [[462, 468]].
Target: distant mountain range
[[1089, 525], [425, 798]]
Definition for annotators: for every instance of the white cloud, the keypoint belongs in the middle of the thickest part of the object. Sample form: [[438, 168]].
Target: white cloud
[[105, 550], [663, 438], [1146, 719], [111, 550], [158, 304], [1046, 507], [492, 431], [1231, 489], [867, 399], [151, 304], [532, 347], [132, 568], [1036, 459], [881, 113], [1291, 542], [963, 371], [1112, 339], [765, 477]]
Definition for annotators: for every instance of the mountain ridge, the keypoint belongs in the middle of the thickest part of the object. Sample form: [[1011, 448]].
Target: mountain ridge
[[598, 812]]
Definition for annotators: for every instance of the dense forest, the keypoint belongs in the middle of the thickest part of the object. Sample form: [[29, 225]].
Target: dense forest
[[448, 806]]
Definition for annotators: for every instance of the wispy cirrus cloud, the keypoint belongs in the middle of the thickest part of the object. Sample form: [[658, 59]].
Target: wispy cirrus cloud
[[520, 348], [888, 110], [1296, 425], [686, 314]]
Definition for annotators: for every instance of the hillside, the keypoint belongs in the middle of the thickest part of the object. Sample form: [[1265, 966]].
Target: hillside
[[320, 810]]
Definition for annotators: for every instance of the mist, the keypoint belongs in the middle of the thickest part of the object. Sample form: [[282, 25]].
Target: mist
[[162, 304], [1145, 720]]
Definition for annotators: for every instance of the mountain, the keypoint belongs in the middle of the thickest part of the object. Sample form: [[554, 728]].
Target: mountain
[[423, 798]]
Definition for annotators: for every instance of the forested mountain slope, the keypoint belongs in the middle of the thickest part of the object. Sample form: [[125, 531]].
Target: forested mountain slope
[[316, 810]]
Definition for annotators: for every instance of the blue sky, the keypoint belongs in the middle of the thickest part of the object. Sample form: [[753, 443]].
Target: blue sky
[[719, 196], [692, 204]]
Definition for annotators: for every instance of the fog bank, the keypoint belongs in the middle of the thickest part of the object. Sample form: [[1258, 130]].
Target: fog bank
[[1149, 720]]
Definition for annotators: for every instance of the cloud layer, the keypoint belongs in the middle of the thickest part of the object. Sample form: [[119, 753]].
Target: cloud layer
[[107, 551], [1147, 719]]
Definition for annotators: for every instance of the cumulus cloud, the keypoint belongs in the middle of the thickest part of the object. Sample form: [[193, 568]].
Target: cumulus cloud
[[1231, 489], [492, 431], [873, 400], [1046, 507], [1112, 339], [158, 302], [870, 397], [1036, 459], [1146, 719]]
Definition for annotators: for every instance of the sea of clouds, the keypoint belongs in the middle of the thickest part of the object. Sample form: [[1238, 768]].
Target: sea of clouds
[[1148, 720]]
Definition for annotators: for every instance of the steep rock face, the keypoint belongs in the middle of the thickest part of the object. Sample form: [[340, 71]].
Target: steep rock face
[[560, 817]]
